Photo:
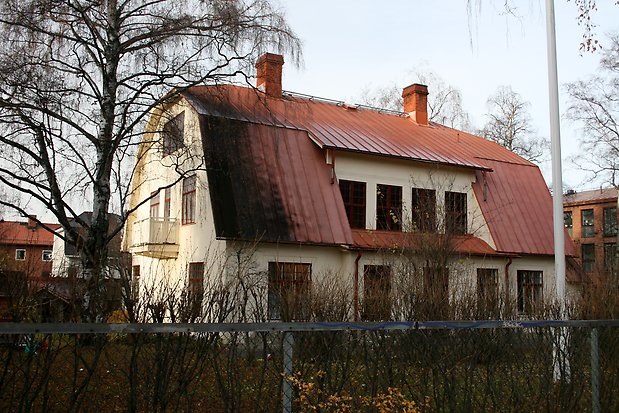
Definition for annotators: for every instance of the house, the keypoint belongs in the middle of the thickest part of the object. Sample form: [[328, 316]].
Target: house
[[328, 195], [591, 220], [26, 250]]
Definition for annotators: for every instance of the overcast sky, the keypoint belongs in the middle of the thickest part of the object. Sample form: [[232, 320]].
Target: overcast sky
[[349, 46]]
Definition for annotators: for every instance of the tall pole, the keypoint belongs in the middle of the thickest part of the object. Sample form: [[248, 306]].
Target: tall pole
[[555, 138]]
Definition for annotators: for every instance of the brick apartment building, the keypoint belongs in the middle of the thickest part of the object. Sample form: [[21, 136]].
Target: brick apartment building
[[591, 220]]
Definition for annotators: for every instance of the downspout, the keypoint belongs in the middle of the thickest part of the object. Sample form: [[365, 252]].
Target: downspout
[[356, 288], [509, 262]]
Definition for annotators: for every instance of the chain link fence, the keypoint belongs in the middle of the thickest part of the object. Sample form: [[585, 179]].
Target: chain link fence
[[463, 366]]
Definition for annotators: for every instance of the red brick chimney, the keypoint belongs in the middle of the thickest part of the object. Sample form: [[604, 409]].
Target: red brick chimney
[[31, 221], [269, 74], [416, 103]]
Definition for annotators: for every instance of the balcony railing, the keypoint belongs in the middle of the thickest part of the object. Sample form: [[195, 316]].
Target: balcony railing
[[156, 237]]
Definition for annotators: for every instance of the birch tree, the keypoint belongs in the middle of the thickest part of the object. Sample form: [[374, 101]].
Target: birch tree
[[78, 79]]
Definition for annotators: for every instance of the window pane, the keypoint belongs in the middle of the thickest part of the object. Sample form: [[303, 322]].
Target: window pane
[[388, 207], [189, 200], [610, 222], [354, 196], [530, 290], [567, 220], [289, 288], [587, 223], [423, 208], [588, 257], [455, 213], [173, 134]]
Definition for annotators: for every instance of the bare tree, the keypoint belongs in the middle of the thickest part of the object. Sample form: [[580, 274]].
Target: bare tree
[[444, 101], [79, 78], [509, 125]]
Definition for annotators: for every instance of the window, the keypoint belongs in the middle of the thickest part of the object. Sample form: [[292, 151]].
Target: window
[[154, 204], [135, 282], [353, 195], [610, 222], [196, 287], [173, 133], [530, 289], [376, 292], [587, 223], [610, 257], [488, 285], [436, 284], [567, 221], [388, 207], [289, 291], [455, 213], [167, 203], [588, 257], [189, 200], [423, 208], [20, 254], [46, 255]]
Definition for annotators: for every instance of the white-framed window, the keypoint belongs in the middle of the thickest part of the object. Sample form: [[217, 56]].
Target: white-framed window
[[20, 254], [46, 255]]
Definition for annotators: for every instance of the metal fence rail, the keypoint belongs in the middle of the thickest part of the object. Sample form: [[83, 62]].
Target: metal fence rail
[[488, 365]]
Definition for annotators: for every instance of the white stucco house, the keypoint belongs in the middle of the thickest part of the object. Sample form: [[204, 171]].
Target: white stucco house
[[323, 195]]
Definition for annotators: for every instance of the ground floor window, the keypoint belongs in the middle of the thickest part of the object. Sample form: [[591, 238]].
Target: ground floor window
[[530, 290], [376, 292], [289, 291], [196, 288], [487, 285], [588, 257], [20, 254]]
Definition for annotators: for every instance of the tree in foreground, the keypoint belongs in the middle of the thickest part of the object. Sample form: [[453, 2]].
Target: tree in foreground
[[509, 125], [77, 81]]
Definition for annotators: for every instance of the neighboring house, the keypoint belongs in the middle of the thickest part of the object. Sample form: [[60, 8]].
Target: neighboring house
[[26, 251], [591, 220], [326, 193]]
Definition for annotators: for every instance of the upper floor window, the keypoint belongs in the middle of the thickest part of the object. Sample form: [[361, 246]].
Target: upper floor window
[[154, 204], [423, 210], [389, 207], [530, 290], [455, 213], [567, 221], [20, 254], [610, 222], [376, 292], [289, 290], [353, 195], [167, 203], [588, 257], [46, 255], [587, 223], [173, 134], [189, 200]]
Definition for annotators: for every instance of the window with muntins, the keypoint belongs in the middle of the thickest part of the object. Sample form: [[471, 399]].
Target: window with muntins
[[455, 213], [587, 223], [154, 204], [289, 291], [488, 285], [423, 210], [588, 257], [354, 197], [189, 200], [610, 222], [530, 290], [376, 292], [610, 257], [20, 254], [389, 207], [173, 134], [567, 221]]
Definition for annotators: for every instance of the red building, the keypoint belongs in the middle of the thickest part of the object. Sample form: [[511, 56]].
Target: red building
[[25, 257], [591, 220]]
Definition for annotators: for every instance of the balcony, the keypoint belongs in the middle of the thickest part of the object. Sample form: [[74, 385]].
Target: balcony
[[155, 237]]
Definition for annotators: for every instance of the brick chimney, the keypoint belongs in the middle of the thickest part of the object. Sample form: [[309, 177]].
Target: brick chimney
[[269, 74], [31, 221], [416, 103]]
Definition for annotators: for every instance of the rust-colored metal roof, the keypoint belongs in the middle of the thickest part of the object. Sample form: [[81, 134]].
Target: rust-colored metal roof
[[342, 127], [18, 233], [590, 197], [390, 240], [517, 206], [271, 184]]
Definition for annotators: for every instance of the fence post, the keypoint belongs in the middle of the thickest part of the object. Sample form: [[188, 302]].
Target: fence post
[[287, 385], [595, 372]]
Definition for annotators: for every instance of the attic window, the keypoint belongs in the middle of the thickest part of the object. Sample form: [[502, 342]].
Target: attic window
[[173, 134]]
